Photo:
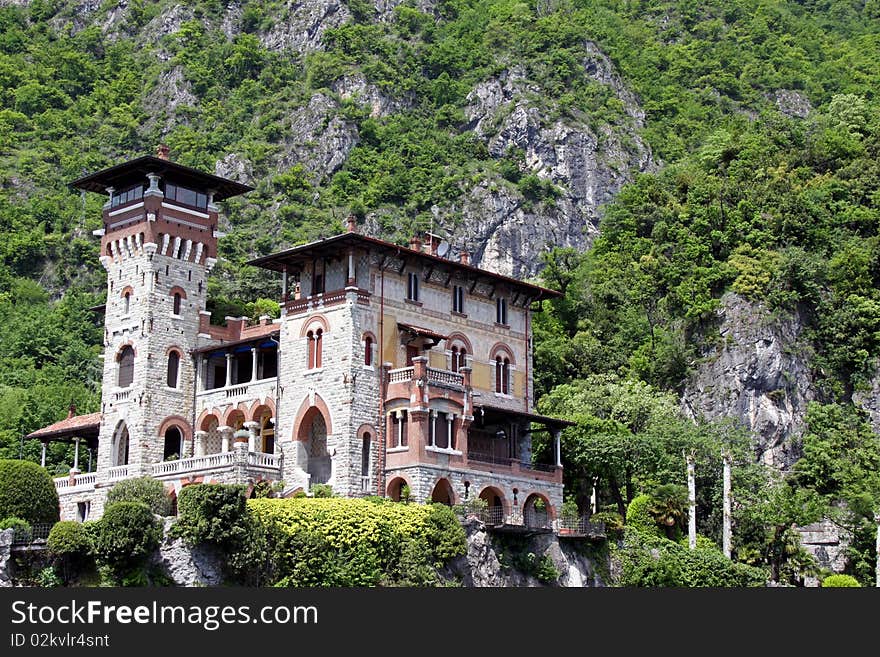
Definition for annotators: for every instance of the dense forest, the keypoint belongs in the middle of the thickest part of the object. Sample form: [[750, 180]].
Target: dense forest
[[761, 115]]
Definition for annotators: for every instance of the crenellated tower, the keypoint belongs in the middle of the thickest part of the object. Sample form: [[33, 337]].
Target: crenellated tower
[[158, 245]]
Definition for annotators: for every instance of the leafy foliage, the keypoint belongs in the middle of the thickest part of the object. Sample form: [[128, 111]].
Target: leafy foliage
[[840, 581], [211, 513], [70, 545], [146, 490], [124, 538], [27, 492]]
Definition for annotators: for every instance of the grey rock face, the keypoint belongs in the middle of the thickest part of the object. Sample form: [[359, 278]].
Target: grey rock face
[[482, 565], [356, 87], [792, 103], [188, 566], [5, 554], [589, 167], [172, 92], [759, 375], [870, 401], [304, 24], [318, 138]]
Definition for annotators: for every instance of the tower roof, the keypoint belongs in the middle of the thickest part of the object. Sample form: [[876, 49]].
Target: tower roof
[[135, 171]]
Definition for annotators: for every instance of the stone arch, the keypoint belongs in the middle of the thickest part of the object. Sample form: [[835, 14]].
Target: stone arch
[[395, 487], [312, 432], [120, 445], [501, 349], [494, 498], [234, 418], [177, 290], [256, 410], [312, 323], [307, 404], [206, 417], [214, 441], [264, 415], [181, 424], [369, 346], [533, 515], [442, 492]]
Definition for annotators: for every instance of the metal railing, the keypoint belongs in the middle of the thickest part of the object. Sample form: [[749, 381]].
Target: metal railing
[[570, 524], [483, 457], [537, 518], [39, 531]]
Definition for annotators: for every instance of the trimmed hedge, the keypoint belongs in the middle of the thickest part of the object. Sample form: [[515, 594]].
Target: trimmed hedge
[[356, 542], [70, 545], [27, 492], [146, 490], [638, 515]]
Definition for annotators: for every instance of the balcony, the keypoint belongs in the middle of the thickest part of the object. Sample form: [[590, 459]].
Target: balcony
[[220, 461], [237, 392], [77, 483], [435, 376], [514, 463], [323, 300]]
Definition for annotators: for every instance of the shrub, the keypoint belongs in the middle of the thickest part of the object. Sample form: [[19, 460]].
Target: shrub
[[356, 542], [653, 561], [27, 492], [212, 513], [840, 581], [638, 515], [322, 490], [70, 546], [125, 537], [146, 490], [21, 527]]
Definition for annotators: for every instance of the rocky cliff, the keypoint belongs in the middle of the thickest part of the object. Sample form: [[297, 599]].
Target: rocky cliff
[[757, 372]]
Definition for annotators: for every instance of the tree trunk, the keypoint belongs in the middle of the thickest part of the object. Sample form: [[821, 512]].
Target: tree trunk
[[618, 497], [725, 532], [877, 551], [692, 504]]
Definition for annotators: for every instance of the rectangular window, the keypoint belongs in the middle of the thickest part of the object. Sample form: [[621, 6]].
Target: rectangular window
[[501, 311], [457, 299], [412, 286], [186, 196], [127, 196]]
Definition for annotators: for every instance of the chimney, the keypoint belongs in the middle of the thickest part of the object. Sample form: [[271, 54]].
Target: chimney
[[162, 152], [351, 223], [71, 410], [464, 257]]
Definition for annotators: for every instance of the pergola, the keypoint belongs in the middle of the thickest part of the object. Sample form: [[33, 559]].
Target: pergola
[[72, 429]]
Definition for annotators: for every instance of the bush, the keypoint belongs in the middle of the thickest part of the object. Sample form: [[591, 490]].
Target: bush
[[356, 542], [638, 515], [27, 492], [840, 581], [146, 490], [322, 490], [22, 528], [125, 537], [652, 561], [212, 513], [70, 546]]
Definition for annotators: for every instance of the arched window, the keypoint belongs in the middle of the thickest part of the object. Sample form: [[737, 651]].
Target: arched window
[[177, 298], [498, 374], [459, 358], [315, 339], [126, 301], [365, 456], [126, 367], [505, 376], [173, 448], [173, 367], [368, 350]]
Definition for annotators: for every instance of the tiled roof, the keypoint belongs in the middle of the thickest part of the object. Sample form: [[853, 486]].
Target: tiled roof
[[78, 425]]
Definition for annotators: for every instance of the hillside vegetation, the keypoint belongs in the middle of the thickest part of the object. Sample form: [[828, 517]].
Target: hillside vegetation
[[762, 116]]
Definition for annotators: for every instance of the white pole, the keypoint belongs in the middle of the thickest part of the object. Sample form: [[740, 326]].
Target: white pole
[[76, 455], [43, 454], [877, 548], [725, 532], [692, 503]]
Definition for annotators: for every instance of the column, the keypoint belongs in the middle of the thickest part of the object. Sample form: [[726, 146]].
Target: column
[[449, 420], [204, 365], [432, 430], [399, 416], [557, 446], [725, 531], [253, 365], [253, 428], [200, 440], [225, 435], [43, 453], [692, 503], [76, 454], [228, 369], [351, 276]]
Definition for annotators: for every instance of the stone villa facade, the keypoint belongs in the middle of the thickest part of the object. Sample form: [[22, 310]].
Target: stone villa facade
[[392, 370]]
